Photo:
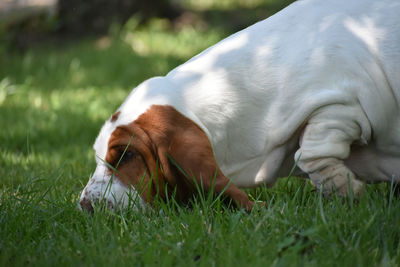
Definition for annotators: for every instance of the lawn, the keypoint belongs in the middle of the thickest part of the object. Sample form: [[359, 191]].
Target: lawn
[[54, 98]]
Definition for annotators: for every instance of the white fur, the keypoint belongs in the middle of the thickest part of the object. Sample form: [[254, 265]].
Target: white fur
[[325, 73]]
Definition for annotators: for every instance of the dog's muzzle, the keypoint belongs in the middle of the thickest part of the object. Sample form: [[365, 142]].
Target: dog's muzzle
[[108, 191]]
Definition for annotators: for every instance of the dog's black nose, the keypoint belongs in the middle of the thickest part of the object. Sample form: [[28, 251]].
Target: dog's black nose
[[86, 205]]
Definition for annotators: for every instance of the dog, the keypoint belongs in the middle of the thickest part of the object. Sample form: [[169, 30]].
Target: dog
[[316, 86]]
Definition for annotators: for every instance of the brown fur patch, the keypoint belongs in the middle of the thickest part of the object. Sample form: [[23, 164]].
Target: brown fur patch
[[115, 116]]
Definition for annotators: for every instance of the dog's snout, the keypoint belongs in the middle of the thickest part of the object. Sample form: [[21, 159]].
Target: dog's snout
[[86, 205], [102, 193]]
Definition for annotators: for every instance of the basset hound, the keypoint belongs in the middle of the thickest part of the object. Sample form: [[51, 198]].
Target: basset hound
[[316, 86]]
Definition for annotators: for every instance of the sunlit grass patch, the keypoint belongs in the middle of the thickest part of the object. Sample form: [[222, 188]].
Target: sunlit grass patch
[[160, 38]]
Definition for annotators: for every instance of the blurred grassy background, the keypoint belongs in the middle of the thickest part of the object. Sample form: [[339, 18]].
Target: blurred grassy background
[[56, 89]]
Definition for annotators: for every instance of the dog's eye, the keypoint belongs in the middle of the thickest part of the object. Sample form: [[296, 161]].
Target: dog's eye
[[126, 157]]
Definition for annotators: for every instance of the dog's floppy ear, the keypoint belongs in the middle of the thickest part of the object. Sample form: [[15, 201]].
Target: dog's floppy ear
[[143, 171], [186, 156], [156, 180]]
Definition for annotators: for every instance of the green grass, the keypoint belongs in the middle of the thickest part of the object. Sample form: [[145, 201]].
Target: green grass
[[53, 101]]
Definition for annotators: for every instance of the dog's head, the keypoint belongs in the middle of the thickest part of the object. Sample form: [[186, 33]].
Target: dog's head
[[160, 153]]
